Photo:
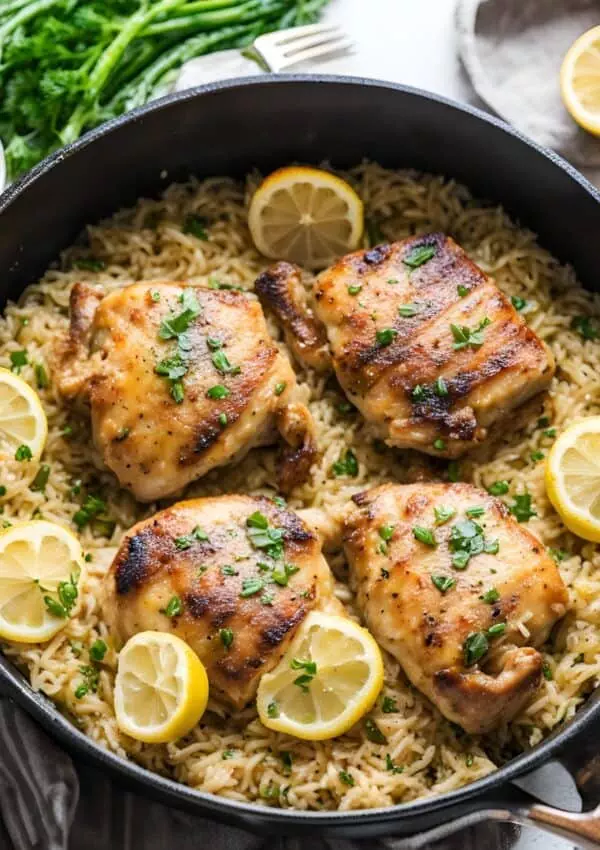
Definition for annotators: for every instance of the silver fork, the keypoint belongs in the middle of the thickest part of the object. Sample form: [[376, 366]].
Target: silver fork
[[275, 51]]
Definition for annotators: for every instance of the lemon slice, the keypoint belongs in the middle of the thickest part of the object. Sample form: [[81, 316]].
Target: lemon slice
[[22, 418], [161, 688], [306, 216], [573, 478], [580, 81], [329, 677], [41, 565]]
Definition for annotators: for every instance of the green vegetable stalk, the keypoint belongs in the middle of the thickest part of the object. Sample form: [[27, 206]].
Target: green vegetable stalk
[[68, 65]]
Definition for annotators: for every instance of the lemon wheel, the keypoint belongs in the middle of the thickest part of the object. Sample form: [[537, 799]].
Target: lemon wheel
[[22, 418], [306, 216], [580, 81], [41, 566], [161, 688], [329, 677], [573, 478]]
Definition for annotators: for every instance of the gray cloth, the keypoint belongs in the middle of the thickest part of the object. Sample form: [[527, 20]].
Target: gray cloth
[[512, 51], [45, 804]]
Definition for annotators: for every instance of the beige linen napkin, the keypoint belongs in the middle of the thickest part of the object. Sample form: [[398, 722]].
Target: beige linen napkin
[[512, 50]]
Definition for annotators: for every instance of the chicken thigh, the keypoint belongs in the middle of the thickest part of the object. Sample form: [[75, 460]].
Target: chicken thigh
[[422, 341], [233, 576], [455, 589], [180, 380]]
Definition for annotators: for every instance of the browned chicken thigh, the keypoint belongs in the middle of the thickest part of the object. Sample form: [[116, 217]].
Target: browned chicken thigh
[[233, 576], [422, 341], [180, 380], [455, 589]]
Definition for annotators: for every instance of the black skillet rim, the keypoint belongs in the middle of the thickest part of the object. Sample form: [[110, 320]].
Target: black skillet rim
[[42, 708]]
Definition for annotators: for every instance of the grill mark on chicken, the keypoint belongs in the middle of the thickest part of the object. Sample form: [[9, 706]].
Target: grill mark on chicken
[[135, 567]]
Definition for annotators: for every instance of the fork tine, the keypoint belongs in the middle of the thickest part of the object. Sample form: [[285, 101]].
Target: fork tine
[[308, 41], [285, 36], [337, 45]]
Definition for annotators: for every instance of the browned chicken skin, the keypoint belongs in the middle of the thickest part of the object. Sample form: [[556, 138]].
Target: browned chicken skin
[[464, 632], [422, 341], [180, 380], [238, 602]]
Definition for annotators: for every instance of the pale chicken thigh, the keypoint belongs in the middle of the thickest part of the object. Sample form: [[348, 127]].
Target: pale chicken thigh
[[455, 589], [180, 380], [233, 576], [422, 341]]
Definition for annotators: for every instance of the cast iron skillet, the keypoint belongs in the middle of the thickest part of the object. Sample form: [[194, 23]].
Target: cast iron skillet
[[230, 128]]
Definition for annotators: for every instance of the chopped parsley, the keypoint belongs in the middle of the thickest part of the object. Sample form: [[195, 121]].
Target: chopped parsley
[[228, 754], [537, 455], [89, 264], [389, 705], [346, 465], [273, 709], [466, 337], [440, 388], [373, 732], [155, 295], [386, 532], [92, 508], [443, 583], [498, 488], [23, 453], [264, 536], [41, 377], [491, 596], [497, 629], [386, 336], [521, 508], [173, 369], [346, 778], [475, 511], [67, 597], [91, 680], [251, 586], [98, 650], [280, 387], [222, 364], [223, 420], [18, 359], [228, 570], [122, 434], [226, 636], [218, 392], [41, 478], [518, 302], [419, 256], [462, 290], [583, 325], [475, 647], [174, 325], [354, 288], [173, 608], [558, 554], [439, 444], [281, 575], [310, 668], [418, 393], [389, 765], [547, 672], [549, 432], [195, 225], [424, 535], [443, 513], [407, 311], [466, 541]]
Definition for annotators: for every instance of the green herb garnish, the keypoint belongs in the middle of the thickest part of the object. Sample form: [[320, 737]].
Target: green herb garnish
[[419, 256]]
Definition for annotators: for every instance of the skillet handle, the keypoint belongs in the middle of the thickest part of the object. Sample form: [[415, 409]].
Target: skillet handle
[[583, 830]]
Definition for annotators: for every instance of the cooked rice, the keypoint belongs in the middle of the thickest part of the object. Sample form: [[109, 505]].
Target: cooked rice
[[236, 756]]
